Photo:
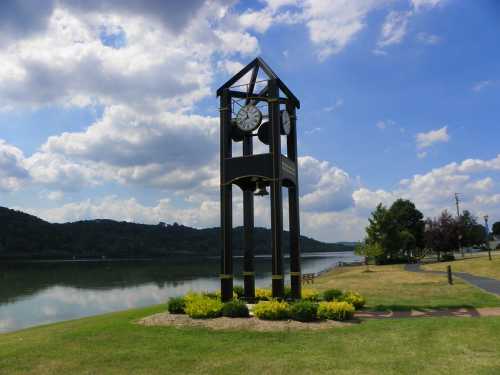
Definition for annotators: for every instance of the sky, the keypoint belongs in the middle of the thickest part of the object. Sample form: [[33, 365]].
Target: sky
[[108, 108]]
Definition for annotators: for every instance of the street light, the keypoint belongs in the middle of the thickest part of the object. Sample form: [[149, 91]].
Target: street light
[[487, 230]]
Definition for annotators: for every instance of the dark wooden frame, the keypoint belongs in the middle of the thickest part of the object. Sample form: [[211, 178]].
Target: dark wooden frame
[[273, 169]]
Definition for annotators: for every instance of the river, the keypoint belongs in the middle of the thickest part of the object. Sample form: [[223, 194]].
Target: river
[[34, 293]]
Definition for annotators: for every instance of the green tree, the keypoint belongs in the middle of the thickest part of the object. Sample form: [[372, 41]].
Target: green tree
[[441, 234], [399, 230], [496, 228], [369, 250]]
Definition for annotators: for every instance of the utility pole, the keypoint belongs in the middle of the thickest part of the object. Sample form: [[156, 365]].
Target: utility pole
[[487, 230], [457, 202]]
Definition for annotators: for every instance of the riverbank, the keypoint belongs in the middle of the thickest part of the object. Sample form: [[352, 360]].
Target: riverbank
[[116, 344]]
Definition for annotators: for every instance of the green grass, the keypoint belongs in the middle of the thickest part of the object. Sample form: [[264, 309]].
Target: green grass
[[112, 344], [479, 266], [391, 287]]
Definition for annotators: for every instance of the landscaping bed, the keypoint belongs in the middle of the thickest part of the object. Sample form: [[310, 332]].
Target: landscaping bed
[[251, 323]]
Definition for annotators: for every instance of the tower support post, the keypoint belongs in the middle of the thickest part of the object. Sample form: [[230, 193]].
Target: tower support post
[[293, 210], [248, 229], [278, 282], [226, 199]]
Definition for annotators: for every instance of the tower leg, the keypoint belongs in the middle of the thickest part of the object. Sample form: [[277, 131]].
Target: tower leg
[[278, 282], [295, 273], [248, 244], [226, 277]]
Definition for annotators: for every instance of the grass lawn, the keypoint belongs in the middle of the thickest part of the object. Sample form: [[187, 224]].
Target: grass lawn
[[479, 266], [112, 344], [391, 287]]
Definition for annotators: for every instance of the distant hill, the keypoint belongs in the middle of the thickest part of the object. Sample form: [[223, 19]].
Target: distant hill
[[23, 236]]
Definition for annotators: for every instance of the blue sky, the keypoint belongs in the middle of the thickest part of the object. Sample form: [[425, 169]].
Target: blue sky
[[108, 109]]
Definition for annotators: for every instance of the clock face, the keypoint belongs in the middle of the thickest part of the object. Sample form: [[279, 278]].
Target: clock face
[[248, 118], [286, 124]]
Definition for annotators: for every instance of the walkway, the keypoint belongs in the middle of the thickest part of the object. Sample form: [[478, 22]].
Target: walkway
[[461, 312], [485, 283]]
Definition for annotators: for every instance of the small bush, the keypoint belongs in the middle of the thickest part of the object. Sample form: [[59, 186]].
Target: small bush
[[310, 295], [202, 307], [235, 309], [447, 257], [335, 310], [303, 311], [176, 305], [271, 310], [288, 292], [263, 294], [239, 291], [332, 295], [217, 295], [355, 299]]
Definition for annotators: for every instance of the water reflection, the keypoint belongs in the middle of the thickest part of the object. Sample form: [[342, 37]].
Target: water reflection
[[45, 292]]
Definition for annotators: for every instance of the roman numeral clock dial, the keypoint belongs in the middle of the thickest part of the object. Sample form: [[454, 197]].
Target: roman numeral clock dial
[[248, 118]]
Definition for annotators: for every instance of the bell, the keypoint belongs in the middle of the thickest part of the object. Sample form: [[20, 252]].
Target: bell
[[261, 190]]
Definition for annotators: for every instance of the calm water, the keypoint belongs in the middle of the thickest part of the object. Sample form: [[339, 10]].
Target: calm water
[[45, 292]]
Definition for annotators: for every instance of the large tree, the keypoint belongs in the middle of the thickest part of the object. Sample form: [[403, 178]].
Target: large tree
[[496, 228], [398, 230], [472, 233], [441, 234]]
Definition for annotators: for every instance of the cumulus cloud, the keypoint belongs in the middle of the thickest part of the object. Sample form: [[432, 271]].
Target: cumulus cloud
[[73, 63], [394, 28], [431, 137], [324, 187], [427, 38], [13, 173]]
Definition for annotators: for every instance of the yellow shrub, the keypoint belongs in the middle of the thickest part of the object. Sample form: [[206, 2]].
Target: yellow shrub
[[310, 295], [355, 299], [271, 310], [335, 310], [263, 294], [201, 307]]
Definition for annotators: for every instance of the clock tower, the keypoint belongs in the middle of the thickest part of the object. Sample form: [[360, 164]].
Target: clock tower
[[255, 105]]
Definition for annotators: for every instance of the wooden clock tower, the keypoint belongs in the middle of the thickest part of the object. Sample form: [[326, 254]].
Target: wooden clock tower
[[256, 103]]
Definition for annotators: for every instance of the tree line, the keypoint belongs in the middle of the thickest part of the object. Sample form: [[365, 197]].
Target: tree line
[[399, 233], [26, 236]]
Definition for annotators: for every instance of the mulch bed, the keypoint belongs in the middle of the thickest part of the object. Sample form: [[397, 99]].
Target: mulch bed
[[254, 324], [250, 324]]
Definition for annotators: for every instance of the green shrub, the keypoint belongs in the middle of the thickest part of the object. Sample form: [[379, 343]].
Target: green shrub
[[202, 307], [335, 310], [263, 294], [447, 257], [310, 295], [271, 310], [235, 309], [355, 299], [176, 305], [217, 295], [239, 291], [332, 295], [288, 292], [303, 311]]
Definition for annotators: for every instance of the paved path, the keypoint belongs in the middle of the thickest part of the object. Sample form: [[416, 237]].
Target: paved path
[[461, 312], [485, 283]]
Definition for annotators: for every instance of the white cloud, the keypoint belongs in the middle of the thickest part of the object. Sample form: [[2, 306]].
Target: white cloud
[[481, 85], [13, 173], [427, 38], [425, 140], [484, 184], [422, 155], [339, 103], [324, 187], [423, 4], [394, 28]]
